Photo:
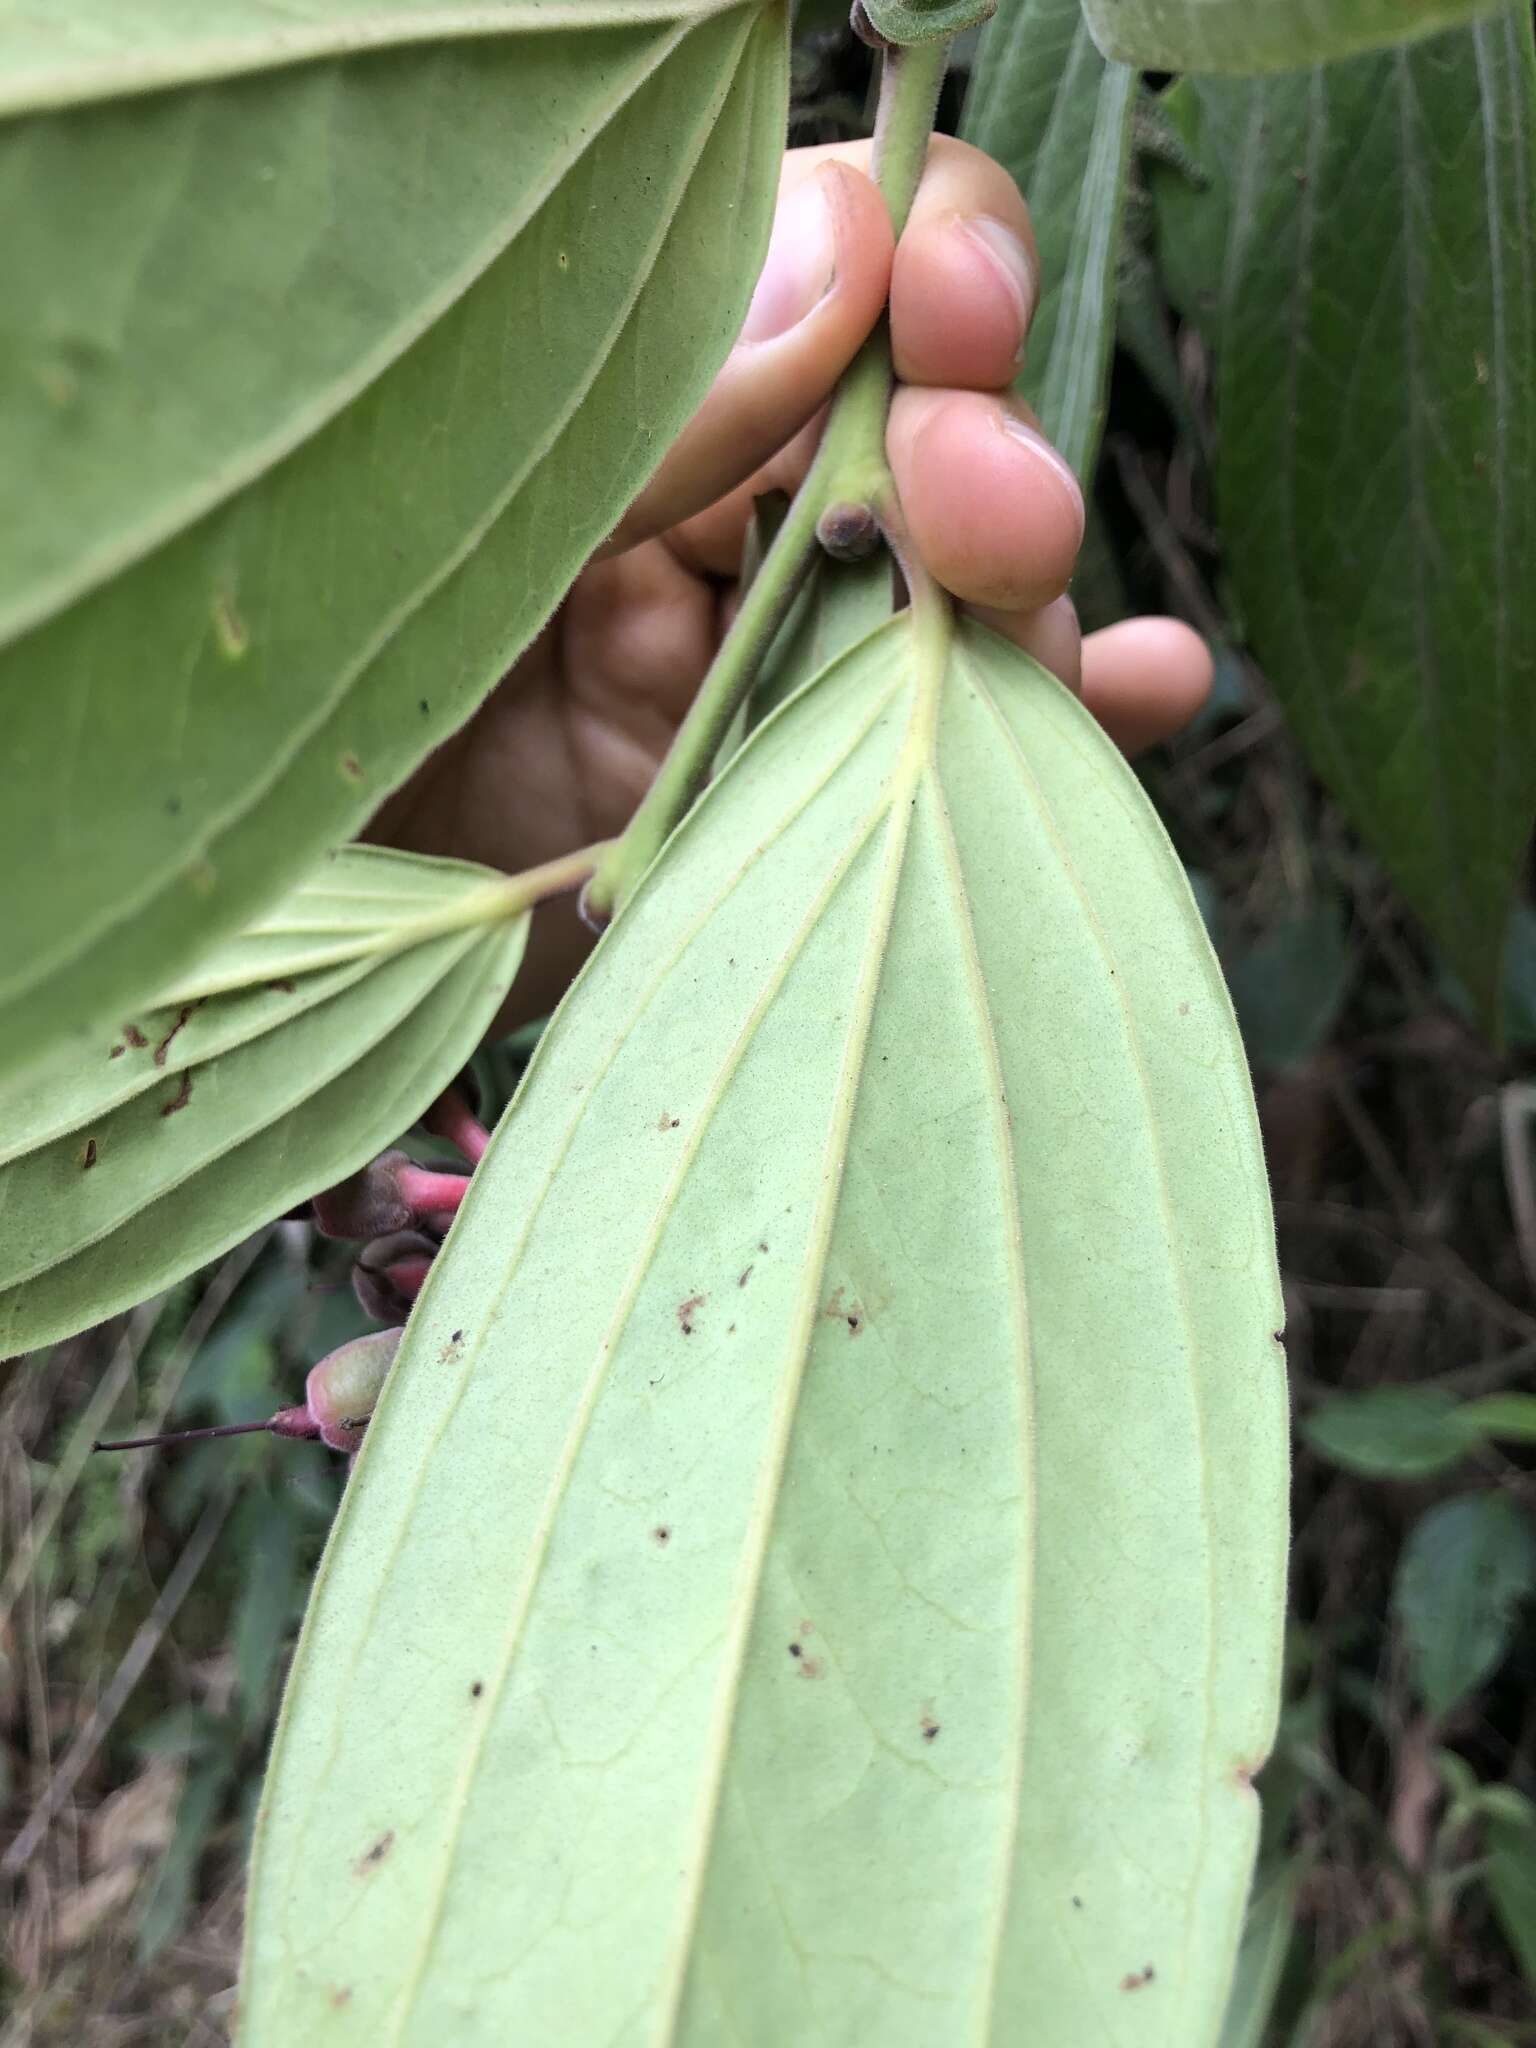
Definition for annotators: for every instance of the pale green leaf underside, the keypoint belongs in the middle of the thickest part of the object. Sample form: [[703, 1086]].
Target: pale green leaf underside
[[52, 56], [1363, 265], [1262, 35], [1046, 105], [300, 1049], [336, 373], [817, 1573]]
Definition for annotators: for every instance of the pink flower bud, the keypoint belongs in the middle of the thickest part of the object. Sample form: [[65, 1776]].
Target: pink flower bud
[[452, 1118], [343, 1389], [390, 1272], [388, 1195]]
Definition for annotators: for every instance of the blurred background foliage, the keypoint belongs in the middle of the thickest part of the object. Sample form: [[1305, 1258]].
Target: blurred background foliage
[[148, 1604]]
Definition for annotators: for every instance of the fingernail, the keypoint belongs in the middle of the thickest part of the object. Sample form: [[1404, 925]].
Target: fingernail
[[1010, 262], [1031, 438], [801, 263]]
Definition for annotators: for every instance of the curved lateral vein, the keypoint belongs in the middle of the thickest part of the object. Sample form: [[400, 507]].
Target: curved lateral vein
[[1018, 1305], [237, 812], [110, 78], [597, 1379], [898, 813], [52, 595], [313, 1084], [474, 1348], [1092, 922]]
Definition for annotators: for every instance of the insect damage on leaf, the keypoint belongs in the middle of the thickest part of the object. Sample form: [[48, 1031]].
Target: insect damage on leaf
[[965, 1056]]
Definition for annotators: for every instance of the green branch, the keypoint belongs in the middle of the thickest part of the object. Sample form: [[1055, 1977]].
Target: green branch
[[849, 477]]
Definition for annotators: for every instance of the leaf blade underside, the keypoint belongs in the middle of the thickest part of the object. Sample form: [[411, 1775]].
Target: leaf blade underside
[[269, 1078], [273, 571], [826, 1531]]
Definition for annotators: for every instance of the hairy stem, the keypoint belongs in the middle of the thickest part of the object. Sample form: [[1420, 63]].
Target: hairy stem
[[849, 472]]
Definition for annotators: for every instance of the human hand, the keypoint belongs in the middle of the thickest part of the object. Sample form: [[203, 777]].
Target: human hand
[[561, 752]]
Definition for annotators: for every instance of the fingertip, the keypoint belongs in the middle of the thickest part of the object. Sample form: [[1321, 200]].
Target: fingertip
[[963, 292], [1145, 679], [992, 508]]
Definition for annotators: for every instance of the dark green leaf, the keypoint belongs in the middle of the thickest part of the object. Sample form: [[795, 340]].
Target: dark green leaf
[[1512, 1885], [1288, 988], [337, 358], [1391, 1432], [1363, 264], [824, 1536], [1267, 1935], [174, 1884], [1045, 104], [266, 1537], [1262, 35], [1465, 1569], [299, 1050]]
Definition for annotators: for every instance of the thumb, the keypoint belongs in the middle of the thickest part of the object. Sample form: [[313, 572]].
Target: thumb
[[821, 291]]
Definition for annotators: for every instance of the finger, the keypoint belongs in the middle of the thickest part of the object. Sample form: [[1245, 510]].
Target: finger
[[966, 274], [1145, 679], [711, 543], [820, 293], [993, 510], [1052, 635]]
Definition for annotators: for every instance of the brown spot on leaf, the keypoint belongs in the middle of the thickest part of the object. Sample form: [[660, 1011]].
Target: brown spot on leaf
[[1135, 1979], [164, 1047], [339, 1995], [135, 1037], [182, 1096], [761, 1246], [351, 767], [457, 1337], [1183, 1009], [375, 1853], [284, 987], [929, 1728], [662, 1533], [88, 1156], [685, 1311], [810, 1667], [667, 1123], [117, 1052], [477, 1688], [744, 1276]]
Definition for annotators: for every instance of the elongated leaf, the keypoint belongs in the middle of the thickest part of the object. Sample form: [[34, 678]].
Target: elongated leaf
[[301, 1049], [1273, 35], [1391, 1432], [1465, 1569], [1512, 1884], [1362, 262], [825, 1535], [336, 370], [1045, 104], [1409, 1432], [1261, 1959]]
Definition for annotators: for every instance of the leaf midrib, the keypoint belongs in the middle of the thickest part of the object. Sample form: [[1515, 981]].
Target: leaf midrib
[[473, 1349]]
